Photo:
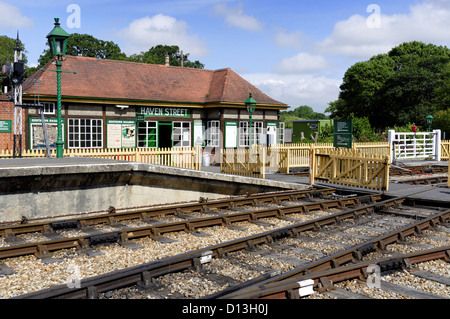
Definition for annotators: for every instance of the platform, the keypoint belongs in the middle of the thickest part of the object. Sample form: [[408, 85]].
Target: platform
[[43, 187], [395, 189]]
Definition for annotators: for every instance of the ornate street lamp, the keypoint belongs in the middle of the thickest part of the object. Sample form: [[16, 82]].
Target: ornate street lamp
[[251, 106], [57, 39], [429, 121]]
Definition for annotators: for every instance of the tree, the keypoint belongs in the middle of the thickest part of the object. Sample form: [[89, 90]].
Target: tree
[[394, 88], [7, 46], [157, 55], [442, 121], [443, 92], [301, 112], [89, 46], [361, 85]]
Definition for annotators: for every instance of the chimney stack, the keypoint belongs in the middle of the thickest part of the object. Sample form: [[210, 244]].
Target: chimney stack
[[167, 60]]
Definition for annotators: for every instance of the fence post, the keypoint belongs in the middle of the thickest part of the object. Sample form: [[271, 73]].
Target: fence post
[[391, 137], [288, 160], [437, 144], [386, 173], [312, 164], [262, 157]]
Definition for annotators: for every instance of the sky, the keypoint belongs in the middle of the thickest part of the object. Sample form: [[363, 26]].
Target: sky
[[297, 52]]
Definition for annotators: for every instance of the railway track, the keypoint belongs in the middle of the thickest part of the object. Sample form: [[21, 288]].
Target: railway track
[[190, 218], [332, 236], [438, 181]]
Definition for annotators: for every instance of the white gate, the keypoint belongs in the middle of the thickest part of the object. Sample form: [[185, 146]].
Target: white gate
[[409, 145]]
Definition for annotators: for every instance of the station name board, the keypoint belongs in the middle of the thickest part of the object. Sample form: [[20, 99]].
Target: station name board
[[164, 111]]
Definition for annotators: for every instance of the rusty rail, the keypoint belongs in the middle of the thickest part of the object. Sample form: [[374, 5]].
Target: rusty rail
[[142, 214], [42, 249], [350, 255], [90, 287], [289, 289]]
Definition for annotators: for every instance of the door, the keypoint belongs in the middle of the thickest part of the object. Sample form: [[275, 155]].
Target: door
[[164, 134]]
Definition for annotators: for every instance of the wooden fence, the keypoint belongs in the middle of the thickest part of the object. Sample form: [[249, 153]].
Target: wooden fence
[[445, 150], [261, 160], [243, 162], [299, 155], [182, 157], [350, 168]]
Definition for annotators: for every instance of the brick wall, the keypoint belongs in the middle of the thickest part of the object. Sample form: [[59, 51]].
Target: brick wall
[[7, 113]]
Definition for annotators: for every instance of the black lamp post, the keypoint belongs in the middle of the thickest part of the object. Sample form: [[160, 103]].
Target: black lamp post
[[57, 39], [251, 106]]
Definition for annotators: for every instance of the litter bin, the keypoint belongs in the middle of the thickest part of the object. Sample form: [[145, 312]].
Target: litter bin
[[206, 159]]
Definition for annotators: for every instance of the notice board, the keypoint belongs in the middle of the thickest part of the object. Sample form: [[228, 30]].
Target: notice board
[[342, 133]]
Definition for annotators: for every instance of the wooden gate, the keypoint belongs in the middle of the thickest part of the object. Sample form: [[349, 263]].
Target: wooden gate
[[351, 168], [445, 150], [243, 162]]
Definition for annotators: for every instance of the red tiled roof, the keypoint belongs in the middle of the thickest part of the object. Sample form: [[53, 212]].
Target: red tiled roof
[[120, 80]]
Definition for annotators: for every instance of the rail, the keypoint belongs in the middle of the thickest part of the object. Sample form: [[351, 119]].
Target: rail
[[291, 289], [343, 257], [41, 249]]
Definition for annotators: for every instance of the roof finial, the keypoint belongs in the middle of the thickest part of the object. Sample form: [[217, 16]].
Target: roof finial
[[18, 42]]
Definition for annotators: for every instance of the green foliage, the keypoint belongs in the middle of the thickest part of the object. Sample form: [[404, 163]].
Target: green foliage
[[301, 112], [7, 46], [89, 46], [157, 55], [326, 134], [442, 121], [396, 88], [363, 131], [287, 119], [443, 92]]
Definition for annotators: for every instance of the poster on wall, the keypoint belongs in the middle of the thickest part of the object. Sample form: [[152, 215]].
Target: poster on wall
[[231, 134], [199, 130], [121, 133], [37, 139]]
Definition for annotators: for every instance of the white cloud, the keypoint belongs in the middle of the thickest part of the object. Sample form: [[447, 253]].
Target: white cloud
[[301, 63], [144, 33], [12, 18], [293, 40], [235, 17], [296, 90], [428, 21]]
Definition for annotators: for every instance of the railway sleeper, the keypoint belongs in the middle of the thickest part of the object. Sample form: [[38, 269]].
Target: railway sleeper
[[104, 238]]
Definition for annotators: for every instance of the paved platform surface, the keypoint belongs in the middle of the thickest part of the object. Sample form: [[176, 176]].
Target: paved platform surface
[[395, 189]]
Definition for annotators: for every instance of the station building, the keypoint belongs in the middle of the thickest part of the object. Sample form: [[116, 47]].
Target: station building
[[119, 104]]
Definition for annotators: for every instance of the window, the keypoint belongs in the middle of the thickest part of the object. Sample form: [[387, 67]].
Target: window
[[181, 134], [257, 129], [85, 133], [243, 134], [49, 108], [281, 132], [213, 133], [147, 134]]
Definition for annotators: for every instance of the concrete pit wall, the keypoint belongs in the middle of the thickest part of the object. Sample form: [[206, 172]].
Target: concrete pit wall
[[39, 191]]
